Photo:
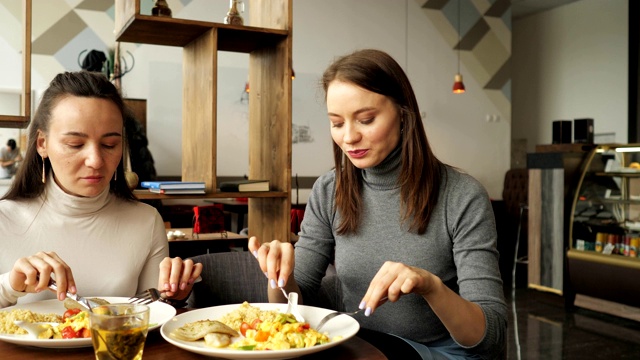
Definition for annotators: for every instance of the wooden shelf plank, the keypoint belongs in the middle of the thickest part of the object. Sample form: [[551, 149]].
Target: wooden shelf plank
[[14, 121], [619, 174], [146, 195], [156, 30], [608, 260]]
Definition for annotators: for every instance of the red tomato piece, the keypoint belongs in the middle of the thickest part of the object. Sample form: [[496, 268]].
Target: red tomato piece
[[244, 327], [85, 333], [255, 323], [68, 333], [71, 312]]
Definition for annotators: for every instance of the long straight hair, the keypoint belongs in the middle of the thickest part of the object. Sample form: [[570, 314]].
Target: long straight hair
[[420, 176], [28, 181]]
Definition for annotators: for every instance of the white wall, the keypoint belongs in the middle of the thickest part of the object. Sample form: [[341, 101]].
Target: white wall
[[322, 30], [571, 62], [455, 124]]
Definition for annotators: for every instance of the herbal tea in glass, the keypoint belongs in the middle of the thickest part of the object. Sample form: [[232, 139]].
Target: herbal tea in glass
[[118, 331]]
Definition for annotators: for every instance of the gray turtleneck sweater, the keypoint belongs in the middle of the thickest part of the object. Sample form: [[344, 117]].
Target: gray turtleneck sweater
[[459, 246]]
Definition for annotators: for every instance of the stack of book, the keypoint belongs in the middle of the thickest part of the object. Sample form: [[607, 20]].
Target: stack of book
[[244, 185], [174, 187]]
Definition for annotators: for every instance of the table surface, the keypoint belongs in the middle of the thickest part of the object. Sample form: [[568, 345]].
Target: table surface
[[227, 235], [159, 349], [206, 243]]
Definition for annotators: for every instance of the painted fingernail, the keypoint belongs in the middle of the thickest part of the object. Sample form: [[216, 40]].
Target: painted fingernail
[[280, 283], [367, 312], [174, 287], [183, 285], [167, 286], [361, 306], [61, 296], [73, 289], [272, 283]]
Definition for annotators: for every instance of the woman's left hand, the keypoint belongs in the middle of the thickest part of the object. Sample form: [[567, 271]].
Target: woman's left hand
[[177, 277], [393, 280]]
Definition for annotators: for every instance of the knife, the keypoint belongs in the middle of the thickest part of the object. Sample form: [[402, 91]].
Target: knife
[[81, 300]]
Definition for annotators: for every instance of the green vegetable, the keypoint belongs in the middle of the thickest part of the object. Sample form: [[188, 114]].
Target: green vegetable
[[247, 347], [285, 318]]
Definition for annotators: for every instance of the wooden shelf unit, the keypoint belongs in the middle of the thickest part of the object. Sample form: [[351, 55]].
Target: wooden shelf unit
[[268, 42], [22, 120]]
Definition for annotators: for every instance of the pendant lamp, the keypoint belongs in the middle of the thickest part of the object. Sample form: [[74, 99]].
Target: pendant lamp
[[458, 85]]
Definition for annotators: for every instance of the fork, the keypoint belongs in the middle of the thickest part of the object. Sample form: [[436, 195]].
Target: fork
[[146, 297], [292, 303], [334, 314], [292, 306], [150, 295], [81, 300]]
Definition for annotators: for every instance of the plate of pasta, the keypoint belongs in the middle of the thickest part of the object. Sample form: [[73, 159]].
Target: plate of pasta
[[257, 331], [52, 311]]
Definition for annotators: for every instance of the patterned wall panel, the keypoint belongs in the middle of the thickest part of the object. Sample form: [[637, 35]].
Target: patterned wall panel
[[484, 42], [65, 30]]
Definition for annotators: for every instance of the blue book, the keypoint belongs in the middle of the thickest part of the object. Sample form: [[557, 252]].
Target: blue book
[[164, 185]]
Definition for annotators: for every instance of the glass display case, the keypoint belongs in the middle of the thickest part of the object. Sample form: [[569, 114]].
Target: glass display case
[[602, 261]]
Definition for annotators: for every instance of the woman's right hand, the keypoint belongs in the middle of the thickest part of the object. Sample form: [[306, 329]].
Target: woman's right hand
[[276, 259], [31, 274]]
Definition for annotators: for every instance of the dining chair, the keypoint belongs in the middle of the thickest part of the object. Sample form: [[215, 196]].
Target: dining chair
[[235, 277]]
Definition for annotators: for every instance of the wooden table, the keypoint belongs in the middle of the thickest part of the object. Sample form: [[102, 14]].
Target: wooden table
[[206, 243], [157, 348]]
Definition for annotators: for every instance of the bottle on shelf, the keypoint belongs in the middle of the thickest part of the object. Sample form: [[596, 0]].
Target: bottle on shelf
[[161, 9], [233, 16]]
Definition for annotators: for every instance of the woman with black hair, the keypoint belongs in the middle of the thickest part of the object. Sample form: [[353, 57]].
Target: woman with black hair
[[9, 158]]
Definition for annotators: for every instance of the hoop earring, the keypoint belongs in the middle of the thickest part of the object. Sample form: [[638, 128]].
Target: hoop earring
[[115, 175], [43, 172]]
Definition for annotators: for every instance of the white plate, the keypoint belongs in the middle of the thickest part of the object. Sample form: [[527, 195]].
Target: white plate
[[159, 314], [343, 325]]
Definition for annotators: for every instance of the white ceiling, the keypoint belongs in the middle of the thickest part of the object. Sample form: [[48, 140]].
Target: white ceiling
[[521, 8]]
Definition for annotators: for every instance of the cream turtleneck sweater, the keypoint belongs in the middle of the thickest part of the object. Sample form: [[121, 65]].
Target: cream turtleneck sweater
[[113, 247]]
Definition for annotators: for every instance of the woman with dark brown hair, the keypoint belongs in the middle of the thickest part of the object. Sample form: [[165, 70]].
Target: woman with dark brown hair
[[10, 156], [70, 207], [399, 223]]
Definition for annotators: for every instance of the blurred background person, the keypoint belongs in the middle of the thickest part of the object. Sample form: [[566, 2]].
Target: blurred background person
[[9, 158]]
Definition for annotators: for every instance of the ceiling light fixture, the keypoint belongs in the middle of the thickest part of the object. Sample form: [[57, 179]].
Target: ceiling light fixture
[[458, 85]]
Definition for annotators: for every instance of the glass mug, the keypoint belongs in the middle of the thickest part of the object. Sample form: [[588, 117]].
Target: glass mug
[[119, 331]]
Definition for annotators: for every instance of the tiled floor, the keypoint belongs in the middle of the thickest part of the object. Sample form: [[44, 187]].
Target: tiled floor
[[545, 330]]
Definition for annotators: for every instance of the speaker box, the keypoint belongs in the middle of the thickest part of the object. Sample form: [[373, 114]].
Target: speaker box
[[583, 131], [562, 132]]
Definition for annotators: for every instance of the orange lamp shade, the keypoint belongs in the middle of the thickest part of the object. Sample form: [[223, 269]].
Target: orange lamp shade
[[458, 85]]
